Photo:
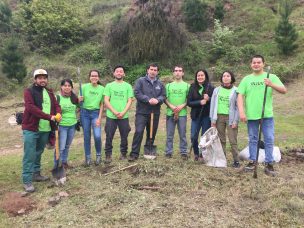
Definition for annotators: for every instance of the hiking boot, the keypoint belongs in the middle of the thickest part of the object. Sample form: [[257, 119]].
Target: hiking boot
[[195, 157], [87, 162], [38, 178], [98, 160], [269, 170], [184, 156], [29, 187], [236, 165], [168, 155], [250, 166], [132, 158], [108, 159], [123, 157]]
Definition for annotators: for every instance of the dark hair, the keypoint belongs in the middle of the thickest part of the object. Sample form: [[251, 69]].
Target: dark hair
[[152, 65], [119, 66], [231, 74], [179, 66], [206, 78], [74, 98], [98, 73], [259, 57]]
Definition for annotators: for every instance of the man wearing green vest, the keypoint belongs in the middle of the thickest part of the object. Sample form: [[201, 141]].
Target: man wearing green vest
[[118, 99], [176, 93], [38, 121], [251, 90]]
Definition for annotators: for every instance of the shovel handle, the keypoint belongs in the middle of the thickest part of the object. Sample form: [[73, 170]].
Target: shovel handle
[[56, 145], [151, 125]]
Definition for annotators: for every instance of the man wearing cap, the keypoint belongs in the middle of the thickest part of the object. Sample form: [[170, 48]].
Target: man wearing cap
[[39, 119]]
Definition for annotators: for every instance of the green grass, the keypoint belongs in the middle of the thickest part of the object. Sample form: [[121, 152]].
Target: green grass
[[189, 194]]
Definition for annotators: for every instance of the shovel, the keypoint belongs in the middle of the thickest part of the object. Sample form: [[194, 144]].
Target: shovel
[[150, 150], [58, 171]]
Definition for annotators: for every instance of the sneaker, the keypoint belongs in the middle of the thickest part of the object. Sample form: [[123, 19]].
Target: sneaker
[[88, 162], [168, 155], [29, 187], [236, 164], [123, 157], [269, 170], [37, 177], [250, 166], [184, 156], [132, 158], [98, 160], [108, 159]]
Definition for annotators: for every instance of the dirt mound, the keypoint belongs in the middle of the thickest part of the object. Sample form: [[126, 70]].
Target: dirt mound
[[293, 156], [14, 203]]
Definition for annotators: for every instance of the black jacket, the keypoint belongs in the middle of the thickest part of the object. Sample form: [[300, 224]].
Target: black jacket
[[144, 91], [194, 99]]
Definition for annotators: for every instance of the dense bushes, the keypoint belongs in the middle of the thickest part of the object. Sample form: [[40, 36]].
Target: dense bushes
[[51, 25], [148, 35]]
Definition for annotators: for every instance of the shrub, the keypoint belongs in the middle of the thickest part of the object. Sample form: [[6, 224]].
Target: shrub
[[219, 11], [5, 17], [51, 25], [12, 61], [285, 32], [88, 53], [146, 36], [196, 15]]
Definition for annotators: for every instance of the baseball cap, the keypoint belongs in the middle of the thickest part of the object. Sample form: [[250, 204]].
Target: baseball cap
[[40, 72]]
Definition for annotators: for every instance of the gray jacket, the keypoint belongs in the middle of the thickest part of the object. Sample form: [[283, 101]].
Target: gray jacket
[[144, 90], [233, 109]]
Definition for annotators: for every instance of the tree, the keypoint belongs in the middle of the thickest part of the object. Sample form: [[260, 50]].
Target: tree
[[5, 17], [196, 15], [12, 61], [51, 25], [219, 11], [285, 33]]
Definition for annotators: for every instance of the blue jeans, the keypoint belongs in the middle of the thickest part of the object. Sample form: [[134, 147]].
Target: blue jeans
[[198, 125], [181, 126], [66, 135], [88, 121], [268, 135]]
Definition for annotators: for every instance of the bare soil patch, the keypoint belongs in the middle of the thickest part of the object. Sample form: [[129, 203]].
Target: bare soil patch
[[14, 204], [293, 156]]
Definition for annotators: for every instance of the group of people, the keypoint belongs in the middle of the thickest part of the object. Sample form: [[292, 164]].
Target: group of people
[[221, 107]]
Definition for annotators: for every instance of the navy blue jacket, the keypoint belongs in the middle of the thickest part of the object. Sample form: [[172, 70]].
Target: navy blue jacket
[[144, 90]]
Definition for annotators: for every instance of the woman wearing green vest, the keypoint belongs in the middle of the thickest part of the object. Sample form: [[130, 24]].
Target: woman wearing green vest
[[68, 102], [224, 113], [91, 113]]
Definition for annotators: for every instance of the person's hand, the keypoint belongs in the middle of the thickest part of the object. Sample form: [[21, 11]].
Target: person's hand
[[98, 122], [206, 97], [80, 98], [213, 124], [203, 102], [53, 118], [233, 126], [153, 101], [178, 109], [120, 115], [268, 82], [243, 117]]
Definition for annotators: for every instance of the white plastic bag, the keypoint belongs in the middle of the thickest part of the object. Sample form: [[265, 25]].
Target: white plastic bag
[[211, 149], [244, 154]]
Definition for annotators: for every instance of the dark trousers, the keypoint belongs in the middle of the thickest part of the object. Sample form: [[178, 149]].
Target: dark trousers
[[142, 121], [110, 129]]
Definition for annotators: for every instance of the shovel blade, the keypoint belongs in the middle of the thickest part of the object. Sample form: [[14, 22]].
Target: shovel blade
[[150, 151], [58, 172]]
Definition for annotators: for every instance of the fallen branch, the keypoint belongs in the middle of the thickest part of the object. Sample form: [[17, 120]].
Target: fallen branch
[[153, 188], [116, 171]]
